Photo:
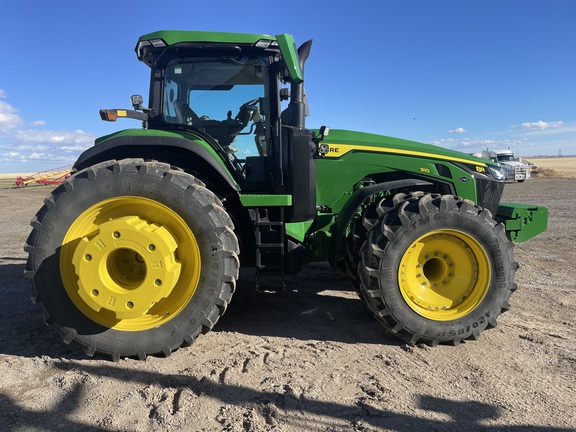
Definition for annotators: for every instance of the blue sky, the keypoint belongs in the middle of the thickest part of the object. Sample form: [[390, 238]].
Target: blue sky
[[465, 75]]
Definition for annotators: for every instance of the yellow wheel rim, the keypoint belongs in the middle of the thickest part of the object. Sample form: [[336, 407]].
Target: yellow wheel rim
[[444, 275], [130, 263]]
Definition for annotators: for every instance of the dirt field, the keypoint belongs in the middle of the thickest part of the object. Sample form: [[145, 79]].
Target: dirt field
[[310, 358]]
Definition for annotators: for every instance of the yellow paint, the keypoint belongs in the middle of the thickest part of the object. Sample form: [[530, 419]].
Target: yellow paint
[[444, 275], [130, 263], [339, 150]]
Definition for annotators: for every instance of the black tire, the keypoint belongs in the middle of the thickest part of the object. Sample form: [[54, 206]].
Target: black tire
[[354, 242], [192, 246], [437, 269], [359, 233]]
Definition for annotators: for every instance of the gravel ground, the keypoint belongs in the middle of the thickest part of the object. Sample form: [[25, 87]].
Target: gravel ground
[[308, 358]]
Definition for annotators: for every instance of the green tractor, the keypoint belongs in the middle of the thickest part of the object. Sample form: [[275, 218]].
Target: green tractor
[[139, 251]]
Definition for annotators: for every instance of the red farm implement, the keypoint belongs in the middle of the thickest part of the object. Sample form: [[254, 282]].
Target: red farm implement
[[50, 177]]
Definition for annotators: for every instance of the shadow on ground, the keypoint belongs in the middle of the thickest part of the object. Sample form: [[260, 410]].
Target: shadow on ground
[[467, 415], [315, 305]]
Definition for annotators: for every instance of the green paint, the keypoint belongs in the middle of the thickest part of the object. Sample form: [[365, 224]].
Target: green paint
[[290, 55], [376, 154], [522, 221], [261, 200], [153, 133], [298, 230], [173, 37]]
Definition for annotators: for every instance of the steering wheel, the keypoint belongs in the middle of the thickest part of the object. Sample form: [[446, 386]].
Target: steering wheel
[[246, 111]]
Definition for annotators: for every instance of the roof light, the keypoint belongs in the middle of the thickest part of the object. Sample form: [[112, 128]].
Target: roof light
[[158, 43], [263, 43], [139, 47]]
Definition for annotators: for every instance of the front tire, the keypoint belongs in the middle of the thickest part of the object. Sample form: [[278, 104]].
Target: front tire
[[132, 258], [437, 270]]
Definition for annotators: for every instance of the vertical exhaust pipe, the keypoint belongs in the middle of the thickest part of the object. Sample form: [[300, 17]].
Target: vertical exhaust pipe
[[298, 106]]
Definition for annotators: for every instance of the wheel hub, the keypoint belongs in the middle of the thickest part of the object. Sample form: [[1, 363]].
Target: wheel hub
[[126, 266], [439, 275]]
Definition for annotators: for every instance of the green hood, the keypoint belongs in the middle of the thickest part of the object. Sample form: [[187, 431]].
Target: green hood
[[341, 142]]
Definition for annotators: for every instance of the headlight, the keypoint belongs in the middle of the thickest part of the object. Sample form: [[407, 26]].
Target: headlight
[[496, 173]]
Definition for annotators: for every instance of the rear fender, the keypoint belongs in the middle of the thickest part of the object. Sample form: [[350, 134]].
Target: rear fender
[[180, 152]]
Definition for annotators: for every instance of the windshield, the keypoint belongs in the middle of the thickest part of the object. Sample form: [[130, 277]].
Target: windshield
[[225, 98], [506, 158]]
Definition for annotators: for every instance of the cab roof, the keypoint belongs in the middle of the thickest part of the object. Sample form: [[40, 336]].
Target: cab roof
[[172, 37], [152, 45]]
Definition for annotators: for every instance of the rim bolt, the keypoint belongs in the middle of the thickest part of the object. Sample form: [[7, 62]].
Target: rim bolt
[[129, 305], [158, 282], [95, 292], [116, 234], [88, 257], [151, 247]]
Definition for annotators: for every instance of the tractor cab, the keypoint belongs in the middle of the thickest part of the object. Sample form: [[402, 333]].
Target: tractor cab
[[230, 89], [225, 98]]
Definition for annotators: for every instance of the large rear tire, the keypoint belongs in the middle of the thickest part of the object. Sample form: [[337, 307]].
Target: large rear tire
[[132, 258], [437, 269]]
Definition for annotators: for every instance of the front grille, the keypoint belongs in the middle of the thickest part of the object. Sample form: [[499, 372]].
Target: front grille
[[489, 193]]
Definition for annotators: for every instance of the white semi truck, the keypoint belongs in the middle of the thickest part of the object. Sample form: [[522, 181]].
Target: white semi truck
[[511, 168]]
